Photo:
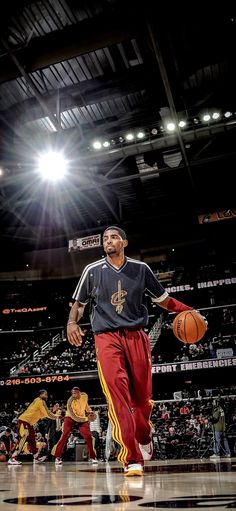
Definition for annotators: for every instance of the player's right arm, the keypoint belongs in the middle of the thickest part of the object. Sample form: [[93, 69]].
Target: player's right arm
[[74, 332]]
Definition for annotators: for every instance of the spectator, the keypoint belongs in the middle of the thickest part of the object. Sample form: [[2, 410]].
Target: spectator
[[218, 420]]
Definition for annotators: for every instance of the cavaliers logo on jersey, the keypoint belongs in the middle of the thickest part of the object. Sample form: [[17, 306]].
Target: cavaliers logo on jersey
[[117, 299]]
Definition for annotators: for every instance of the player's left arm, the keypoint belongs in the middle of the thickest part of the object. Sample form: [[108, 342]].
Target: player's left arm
[[173, 305], [45, 410], [89, 413], [72, 412]]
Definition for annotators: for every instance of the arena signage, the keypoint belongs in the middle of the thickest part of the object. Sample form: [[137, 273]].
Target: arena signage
[[201, 285], [225, 352], [192, 366], [24, 309], [216, 216], [78, 244]]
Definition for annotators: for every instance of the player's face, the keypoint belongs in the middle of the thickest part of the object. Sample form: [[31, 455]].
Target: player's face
[[75, 393], [113, 243]]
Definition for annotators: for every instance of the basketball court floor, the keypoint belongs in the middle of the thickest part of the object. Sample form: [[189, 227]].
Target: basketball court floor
[[182, 484]]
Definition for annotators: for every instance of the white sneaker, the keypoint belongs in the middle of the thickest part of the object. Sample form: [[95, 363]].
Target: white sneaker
[[13, 461], [58, 461], [133, 469], [147, 451], [215, 457], [94, 461], [39, 460]]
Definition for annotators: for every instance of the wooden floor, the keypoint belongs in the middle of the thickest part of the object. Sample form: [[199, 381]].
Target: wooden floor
[[166, 484]]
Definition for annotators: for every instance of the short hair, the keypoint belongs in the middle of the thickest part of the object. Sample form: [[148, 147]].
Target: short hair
[[75, 388], [115, 228], [42, 391]]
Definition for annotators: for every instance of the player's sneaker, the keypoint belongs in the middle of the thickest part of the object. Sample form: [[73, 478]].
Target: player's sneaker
[[133, 469], [14, 461], [58, 461], [94, 461], [147, 451], [41, 459], [215, 457]]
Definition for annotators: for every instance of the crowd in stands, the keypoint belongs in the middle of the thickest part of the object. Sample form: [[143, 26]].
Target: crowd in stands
[[181, 429], [21, 347], [63, 358]]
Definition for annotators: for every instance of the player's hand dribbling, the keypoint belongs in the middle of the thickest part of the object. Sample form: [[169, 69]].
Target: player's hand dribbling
[[91, 416], [74, 334], [203, 317]]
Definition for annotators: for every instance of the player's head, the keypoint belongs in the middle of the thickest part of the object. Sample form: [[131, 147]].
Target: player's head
[[75, 391], [43, 394], [114, 240]]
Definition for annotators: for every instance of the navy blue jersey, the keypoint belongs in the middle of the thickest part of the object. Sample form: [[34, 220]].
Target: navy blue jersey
[[117, 297]]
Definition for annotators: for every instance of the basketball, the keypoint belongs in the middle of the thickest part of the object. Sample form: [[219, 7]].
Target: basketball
[[189, 326], [2, 457]]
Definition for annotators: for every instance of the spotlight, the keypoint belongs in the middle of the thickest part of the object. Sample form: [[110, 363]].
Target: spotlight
[[52, 166], [228, 114], [140, 134], [170, 126], [106, 144], [195, 120], [182, 124], [129, 137], [154, 131], [121, 139], [97, 144], [206, 117], [1, 171], [216, 115]]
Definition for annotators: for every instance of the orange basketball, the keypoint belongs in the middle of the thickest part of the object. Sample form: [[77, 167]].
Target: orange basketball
[[2, 457], [189, 326]]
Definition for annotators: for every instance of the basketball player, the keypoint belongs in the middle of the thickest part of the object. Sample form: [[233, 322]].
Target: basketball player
[[36, 410], [116, 287], [78, 415]]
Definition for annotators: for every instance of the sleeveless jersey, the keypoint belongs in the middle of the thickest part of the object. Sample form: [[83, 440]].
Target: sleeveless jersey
[[117, 296]]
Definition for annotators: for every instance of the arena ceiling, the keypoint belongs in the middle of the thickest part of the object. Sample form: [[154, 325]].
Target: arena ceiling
[[74, 72]]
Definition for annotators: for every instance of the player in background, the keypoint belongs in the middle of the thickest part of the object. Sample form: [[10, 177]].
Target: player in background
[[78, 415], [115, 288], [26, 421]]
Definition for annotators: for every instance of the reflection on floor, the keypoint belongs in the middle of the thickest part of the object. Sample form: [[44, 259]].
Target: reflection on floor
[[166, 484]]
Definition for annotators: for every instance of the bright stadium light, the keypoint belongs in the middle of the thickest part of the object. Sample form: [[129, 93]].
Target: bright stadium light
[[206, 117], [52, 166], [182, 124], [170, 126], [97, 144], [129, 136], [228, 114], [140, 134]]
